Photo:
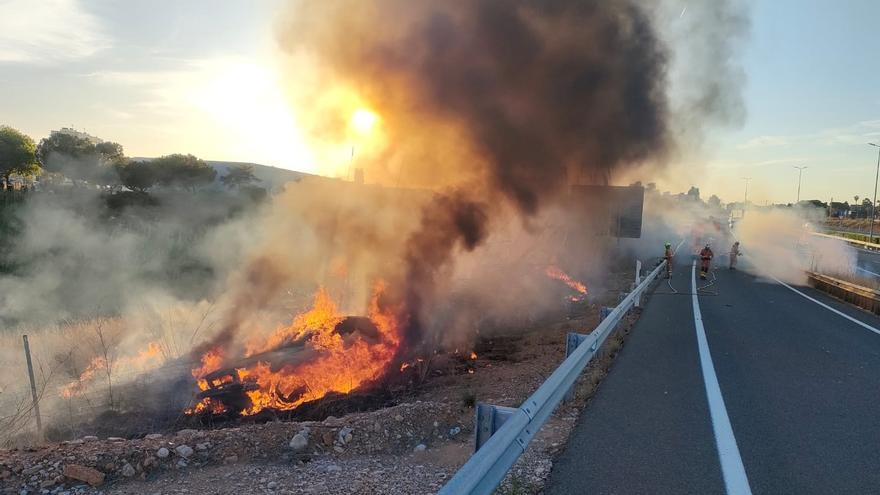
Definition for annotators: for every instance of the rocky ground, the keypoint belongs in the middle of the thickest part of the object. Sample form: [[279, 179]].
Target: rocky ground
[[413, 447]]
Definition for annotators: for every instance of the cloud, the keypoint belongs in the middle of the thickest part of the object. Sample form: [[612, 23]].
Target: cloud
[[854, 134], [47, 31], [765, 142]]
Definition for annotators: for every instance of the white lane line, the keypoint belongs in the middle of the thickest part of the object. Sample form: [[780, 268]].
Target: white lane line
[[868, 271], [820, 303], [732, 468]]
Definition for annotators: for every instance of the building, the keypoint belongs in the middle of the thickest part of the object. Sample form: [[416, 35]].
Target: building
[[70, 131]]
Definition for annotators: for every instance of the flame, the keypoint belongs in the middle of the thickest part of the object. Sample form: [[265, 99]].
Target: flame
[[555, 273], [146, 359], [211, 362], [342, 363], [473, 355]]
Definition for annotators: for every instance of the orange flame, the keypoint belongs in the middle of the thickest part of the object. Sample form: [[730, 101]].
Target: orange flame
[[342, 363], [473, 355], [148, 358], [557, 274], [211, 361]]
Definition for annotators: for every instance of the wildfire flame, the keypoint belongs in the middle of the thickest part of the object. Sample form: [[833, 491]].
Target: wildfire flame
[[555, 273], [343, 363], [143, 360]]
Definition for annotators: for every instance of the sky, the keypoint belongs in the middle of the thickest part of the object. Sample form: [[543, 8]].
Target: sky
[[203, 77]]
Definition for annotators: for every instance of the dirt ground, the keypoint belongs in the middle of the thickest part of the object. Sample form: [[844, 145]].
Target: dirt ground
[[412, 447]]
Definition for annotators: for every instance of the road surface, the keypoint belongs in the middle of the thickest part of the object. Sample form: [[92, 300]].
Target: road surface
[[783, 397], [868, 263]]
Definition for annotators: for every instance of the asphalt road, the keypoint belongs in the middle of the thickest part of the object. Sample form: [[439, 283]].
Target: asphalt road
[[800, 385], [868, 263]]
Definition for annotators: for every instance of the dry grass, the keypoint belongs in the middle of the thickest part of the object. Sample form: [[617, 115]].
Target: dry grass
[[81, 367]]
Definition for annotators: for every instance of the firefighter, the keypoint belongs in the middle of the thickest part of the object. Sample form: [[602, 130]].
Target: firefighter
[[734, 253], [706, 256], [668, 254]]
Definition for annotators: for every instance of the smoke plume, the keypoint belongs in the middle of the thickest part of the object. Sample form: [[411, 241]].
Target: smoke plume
[[521, 98]]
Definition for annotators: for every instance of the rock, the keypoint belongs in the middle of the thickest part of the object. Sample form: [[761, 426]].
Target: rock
[[299, 442], [272, 485], [327, 438], [83, 473], [230, 459], [128, 470], [181, 463], [115, 439], [187, 431], [454, 431], [332, 468], [32, 470], [153, 436], [420, 448], [90, 438], [78, 441], [339, 449], [398, 417], [162, 453], [184, 451], [47, 484], [344, 435], [203, 446]]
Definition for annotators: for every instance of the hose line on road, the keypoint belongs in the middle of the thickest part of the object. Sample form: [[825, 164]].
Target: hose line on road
[[711, 282]]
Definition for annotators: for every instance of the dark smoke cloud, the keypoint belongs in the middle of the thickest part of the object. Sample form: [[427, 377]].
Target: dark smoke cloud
[[543, 92]]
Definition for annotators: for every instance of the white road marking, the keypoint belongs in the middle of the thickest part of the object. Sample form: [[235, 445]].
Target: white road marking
[[868, 271], [732, 469], [820, 303]]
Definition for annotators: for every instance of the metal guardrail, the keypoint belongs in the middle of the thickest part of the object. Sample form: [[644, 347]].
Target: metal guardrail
[[503, 433], [863, 297], [863, 244]]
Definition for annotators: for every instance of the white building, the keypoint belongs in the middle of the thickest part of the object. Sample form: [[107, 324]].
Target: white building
[[70, 131]]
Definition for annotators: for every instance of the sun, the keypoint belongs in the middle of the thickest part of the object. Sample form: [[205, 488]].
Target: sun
[[363, 120]]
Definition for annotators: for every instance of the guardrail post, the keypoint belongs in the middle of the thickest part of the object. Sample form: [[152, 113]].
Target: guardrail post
[[489, 419], [572, 341], [638, 281]]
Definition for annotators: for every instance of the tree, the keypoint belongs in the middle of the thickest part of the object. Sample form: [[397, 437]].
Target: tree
[[184, 171], [18, 154], [694, 193], [238, 176], [137, 176], [72, 156], [714, 201], [77, 158]]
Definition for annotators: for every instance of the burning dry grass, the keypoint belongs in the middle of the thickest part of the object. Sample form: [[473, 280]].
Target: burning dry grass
[[85, 367], [342, 362]]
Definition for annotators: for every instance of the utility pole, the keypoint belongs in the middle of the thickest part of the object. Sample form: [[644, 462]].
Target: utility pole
[[874, 204], [746, 197], [800, 171]]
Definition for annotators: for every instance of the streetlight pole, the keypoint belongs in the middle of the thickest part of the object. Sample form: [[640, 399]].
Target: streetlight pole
[[874, 204], [746, 197], [800, 171]]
